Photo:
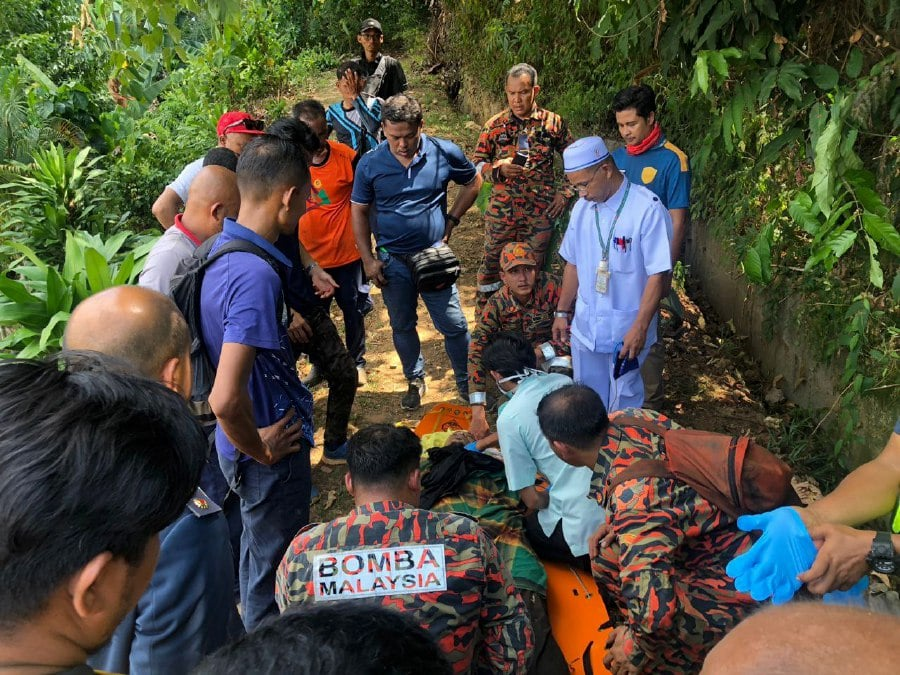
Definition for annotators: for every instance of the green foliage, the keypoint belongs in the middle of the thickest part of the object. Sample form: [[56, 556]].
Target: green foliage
[[37, 297], [60, 190], [789, 112]]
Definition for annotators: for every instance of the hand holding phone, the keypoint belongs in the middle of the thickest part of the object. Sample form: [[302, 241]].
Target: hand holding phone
[[623, 364]]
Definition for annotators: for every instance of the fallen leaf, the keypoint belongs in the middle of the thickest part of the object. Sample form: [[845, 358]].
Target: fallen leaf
[[330, 499], [856, 37]]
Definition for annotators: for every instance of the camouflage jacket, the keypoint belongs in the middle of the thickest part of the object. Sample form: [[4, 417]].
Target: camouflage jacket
[[547, 134], [440, 567], [670, 540], [504, 313]]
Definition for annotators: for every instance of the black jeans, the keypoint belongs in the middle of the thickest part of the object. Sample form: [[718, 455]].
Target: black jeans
[[553, 548], [349, 278]]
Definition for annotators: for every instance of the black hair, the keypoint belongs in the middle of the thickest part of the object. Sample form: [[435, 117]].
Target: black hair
[[640, 97], [310, 109], [508, 353], [333, 639], [92, 459], [221, 157], [383, 454], [352, 65], [574, 415], [401, 108], [277, 158]]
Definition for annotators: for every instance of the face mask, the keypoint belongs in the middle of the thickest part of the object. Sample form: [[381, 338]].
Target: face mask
[[518, 377]]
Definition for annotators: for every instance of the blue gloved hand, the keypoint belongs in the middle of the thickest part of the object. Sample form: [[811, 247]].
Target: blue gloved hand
[[471, 447], [770, 567]]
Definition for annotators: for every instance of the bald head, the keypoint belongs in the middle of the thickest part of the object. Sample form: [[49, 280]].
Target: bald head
[[139, 326], [808, 638], [213, 196]]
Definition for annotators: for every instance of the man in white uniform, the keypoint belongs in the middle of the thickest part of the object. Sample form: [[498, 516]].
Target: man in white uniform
[[562, 517], [616, 250]]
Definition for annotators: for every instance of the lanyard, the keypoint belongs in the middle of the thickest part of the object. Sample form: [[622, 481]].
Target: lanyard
[[604, 245]]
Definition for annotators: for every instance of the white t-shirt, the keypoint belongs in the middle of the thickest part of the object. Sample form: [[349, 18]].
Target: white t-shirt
[[182, 183]]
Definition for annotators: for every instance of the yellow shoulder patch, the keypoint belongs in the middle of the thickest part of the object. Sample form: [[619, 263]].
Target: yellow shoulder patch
[[681, 156], [648, 173]]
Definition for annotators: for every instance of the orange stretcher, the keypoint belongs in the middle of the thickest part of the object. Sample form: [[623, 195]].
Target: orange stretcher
[[578, 617]]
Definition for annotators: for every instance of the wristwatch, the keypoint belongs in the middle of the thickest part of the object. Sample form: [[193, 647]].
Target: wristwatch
[[547, 350], [881, 558], [309, 268], [453, 219]]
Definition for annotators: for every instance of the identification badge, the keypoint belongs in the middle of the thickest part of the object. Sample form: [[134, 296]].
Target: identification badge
[[601, 283]]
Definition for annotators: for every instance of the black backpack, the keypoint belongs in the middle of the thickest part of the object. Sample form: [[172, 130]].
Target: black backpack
[[185, 291]]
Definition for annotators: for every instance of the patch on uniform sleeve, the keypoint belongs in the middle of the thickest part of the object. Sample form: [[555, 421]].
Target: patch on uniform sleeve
[[648, 173], [366, 573]]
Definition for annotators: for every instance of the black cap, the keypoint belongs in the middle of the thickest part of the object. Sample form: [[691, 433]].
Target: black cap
[[371, 23]]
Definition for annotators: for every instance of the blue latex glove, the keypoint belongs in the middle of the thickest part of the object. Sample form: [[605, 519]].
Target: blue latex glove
[[852, 596], [471, 447], [770, 567]]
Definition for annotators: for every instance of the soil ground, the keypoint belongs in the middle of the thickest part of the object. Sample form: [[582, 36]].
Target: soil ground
[[710, 383]]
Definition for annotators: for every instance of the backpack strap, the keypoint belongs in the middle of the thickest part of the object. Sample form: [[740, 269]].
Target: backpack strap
[[373, 82], [642, 468]]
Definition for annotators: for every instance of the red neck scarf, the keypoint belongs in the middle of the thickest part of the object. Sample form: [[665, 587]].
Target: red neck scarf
[[649, 142]]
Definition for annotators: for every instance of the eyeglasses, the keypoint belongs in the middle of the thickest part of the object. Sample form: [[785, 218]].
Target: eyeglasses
[[584, 185], [248, 124], [371, 37]]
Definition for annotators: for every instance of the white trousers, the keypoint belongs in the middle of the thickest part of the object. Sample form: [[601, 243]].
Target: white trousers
[[595, 369]]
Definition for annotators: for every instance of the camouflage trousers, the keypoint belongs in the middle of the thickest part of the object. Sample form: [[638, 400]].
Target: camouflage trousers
[[327, 351], [709, 607], [508, 219]]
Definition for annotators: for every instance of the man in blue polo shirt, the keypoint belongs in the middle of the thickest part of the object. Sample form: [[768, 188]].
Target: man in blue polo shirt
[[650, 159], [405, 179], [264, 414]]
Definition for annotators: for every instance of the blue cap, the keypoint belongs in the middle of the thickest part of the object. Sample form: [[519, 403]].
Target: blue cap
[[584, 153]]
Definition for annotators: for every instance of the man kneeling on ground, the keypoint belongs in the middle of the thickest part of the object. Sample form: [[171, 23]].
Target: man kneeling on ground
[[661, 556], [440, 568]]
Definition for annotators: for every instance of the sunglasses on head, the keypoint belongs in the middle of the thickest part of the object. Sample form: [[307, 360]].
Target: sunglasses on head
[[248, 124]]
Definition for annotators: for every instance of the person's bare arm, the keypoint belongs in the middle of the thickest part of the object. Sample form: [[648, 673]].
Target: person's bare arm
[[634, 339], [230, 401], [362, 231], [567, 294], [868, 492], [323, 283], [534, 499], [679, 229], [166, 207], [466, 196]]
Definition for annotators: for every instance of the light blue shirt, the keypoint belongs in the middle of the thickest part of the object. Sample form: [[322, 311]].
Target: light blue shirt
[[526, 452], [640, 249]]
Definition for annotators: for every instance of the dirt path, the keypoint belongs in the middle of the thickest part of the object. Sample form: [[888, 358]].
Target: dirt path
[[711, 384]]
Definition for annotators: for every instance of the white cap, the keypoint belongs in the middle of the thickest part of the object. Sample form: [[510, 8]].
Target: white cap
[[583, 153]]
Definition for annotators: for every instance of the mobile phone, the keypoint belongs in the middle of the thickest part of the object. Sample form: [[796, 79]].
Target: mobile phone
[[520, 158]]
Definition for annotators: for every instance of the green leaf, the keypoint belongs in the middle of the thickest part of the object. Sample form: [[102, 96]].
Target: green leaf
[[772, 150], [767, 84], [876, 275], [719, 64], [47, 333], [39, 75], [895, 287], [854, 63], [701, 72], [871, 201], [823, 178], [123, 276], [789, 84], [801, 210], [841, 243], [97, 270], [752, 266], [15, 291], [824, 76], [884, 234]]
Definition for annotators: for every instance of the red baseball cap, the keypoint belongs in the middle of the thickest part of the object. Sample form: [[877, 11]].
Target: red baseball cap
[[237, 122]]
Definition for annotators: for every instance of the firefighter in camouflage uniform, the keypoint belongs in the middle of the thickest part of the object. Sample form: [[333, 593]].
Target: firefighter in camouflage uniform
[[515, 152], [525, 304], [660, 558], [439, 568]]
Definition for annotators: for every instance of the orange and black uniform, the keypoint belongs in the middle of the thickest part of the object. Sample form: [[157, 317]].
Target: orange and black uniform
[[517, 206]]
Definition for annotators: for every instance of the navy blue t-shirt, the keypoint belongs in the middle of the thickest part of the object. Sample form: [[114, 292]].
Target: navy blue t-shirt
[[411, 202], [241, 302]]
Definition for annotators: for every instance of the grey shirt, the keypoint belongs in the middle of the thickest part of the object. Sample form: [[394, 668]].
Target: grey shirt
[[166, 260]]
